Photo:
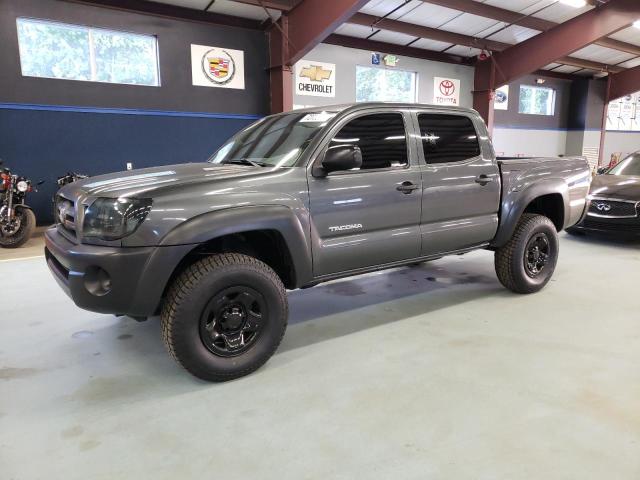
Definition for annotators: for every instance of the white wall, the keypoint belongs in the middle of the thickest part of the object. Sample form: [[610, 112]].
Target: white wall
[[511, 142], [624, 142], [346, 60]]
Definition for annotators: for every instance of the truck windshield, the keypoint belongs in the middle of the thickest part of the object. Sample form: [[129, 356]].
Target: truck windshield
[[629, 166], [276, 141]]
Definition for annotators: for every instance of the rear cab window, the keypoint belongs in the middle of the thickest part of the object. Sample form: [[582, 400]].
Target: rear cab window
[[447, 138]]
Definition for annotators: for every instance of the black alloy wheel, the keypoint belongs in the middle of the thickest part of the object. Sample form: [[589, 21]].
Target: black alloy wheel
[[536, 254], [230, 323]]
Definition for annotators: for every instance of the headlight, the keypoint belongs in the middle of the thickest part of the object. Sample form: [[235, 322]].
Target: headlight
[[115, 218], [22, 186]]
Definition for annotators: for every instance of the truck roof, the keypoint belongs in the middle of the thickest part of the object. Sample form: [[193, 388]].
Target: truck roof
[[366, 105]]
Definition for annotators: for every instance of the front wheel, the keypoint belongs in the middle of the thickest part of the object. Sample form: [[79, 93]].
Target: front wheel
[[19, 231], [224, 316], [527, 262]]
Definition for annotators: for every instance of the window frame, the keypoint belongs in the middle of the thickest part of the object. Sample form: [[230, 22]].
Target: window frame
[[538, 87], [89, 29], [458, 114], [322, 148], [416, 82]]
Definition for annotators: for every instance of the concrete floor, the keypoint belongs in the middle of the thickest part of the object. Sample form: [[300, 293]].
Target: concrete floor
[[431, 372]]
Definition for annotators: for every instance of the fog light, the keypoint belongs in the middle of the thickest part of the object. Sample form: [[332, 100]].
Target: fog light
[[97, 281]]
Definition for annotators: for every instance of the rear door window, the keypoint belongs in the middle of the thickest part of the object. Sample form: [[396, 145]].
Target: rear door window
[[448, 138]]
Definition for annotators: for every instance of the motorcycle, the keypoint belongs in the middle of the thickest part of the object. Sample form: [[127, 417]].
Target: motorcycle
[[70, 177], [17, 220]]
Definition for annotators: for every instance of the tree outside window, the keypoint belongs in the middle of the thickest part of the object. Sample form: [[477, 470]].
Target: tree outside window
[[385, 85], [537, 100], [73, 52]]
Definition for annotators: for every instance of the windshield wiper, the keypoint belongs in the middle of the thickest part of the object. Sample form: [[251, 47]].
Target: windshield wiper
[[244, 161]]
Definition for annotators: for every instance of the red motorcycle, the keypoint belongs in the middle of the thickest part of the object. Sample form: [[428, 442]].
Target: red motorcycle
[[17, 220]]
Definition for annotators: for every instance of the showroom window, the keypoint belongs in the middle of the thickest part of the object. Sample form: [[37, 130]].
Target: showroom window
[[448, 138], [385, 85], [381, 138], [74, 52], [537, 100]]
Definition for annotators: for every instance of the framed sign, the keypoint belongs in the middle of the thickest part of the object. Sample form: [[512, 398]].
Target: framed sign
[[501, 100], [446, 91], [316, 79], [217, 67]]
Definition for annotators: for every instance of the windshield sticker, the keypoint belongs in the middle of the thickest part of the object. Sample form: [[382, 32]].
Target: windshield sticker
[[318, 117]]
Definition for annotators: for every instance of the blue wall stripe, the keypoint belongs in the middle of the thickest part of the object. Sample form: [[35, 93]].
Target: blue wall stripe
[[125, 111]]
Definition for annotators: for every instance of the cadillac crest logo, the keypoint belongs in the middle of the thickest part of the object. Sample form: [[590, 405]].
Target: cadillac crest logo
[[218, 66]]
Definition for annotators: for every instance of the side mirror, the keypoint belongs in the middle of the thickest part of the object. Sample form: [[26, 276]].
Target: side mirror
[[602, 170], [341, 158]]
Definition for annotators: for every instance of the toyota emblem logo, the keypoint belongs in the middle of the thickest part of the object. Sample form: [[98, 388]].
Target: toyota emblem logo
[[447, 88], [603, 207], [64, 209]]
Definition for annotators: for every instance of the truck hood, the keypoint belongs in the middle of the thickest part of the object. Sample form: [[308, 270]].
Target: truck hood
[[616, 186], [148, 182]]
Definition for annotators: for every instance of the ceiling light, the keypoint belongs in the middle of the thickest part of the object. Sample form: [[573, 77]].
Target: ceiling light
[[636, 24], [574, 3]]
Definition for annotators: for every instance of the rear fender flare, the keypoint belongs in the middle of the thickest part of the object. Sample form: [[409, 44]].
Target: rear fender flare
[[514, 203]]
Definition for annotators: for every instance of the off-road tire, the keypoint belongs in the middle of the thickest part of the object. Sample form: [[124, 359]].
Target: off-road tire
[[192, 290], [510, 259], [24, 233]]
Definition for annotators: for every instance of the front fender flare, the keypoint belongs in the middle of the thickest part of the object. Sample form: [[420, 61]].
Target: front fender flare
[[208, 226]]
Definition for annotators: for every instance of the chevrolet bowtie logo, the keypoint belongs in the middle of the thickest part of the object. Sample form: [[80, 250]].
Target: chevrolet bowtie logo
[[315, 73]]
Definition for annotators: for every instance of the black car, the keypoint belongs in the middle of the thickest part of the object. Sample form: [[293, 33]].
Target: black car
[[614, 200]]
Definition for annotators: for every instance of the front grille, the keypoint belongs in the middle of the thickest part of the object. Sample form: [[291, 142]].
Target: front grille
[[65, 215], [622, 226], [613, 208]]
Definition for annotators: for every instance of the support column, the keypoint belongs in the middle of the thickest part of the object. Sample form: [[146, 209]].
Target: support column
[[484, 91], [280, 74]]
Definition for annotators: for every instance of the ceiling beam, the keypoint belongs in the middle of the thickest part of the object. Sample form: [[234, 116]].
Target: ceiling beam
[[588, 64], [172, 11], [311, 21], [282, 5], [564, 39], [465, 40], [426, 32], [375, 46], [495, 13], [515, 18], [558, 75], [624, 83]]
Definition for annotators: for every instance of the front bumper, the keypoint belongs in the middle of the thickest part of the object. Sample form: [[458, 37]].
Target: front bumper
[[620, 226], [127, 281]]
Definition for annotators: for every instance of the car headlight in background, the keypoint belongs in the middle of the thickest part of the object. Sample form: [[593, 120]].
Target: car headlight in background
[[22, 186], [115, 218]]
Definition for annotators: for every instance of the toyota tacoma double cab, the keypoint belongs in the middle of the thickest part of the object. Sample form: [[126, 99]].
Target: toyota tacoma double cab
[[297, 199]]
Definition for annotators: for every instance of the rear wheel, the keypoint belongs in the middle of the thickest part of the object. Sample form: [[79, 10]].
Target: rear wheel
[[20, 230], [224, 316], [527, 262]]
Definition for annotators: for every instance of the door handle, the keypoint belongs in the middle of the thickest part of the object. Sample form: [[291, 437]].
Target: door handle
[[407, 187], [483, 179]]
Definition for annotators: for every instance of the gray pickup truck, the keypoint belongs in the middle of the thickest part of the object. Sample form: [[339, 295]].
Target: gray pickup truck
[[297, 199]]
